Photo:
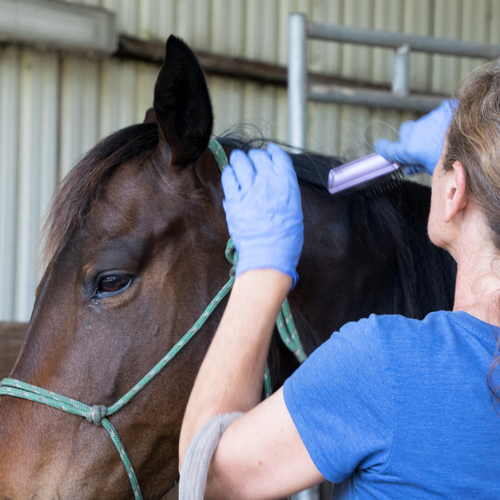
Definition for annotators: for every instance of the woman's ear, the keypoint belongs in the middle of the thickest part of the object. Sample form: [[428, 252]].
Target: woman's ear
[[456, 198]]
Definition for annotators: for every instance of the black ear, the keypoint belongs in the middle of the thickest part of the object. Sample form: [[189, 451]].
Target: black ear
[[150, 116], [182, 104]]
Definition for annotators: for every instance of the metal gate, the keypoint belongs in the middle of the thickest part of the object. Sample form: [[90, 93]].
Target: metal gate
[[299, 92]]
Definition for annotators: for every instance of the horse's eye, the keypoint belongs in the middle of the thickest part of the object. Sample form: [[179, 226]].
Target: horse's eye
[[113, 283]]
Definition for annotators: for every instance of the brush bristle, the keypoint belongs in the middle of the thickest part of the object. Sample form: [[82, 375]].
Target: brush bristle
[[379, 185]]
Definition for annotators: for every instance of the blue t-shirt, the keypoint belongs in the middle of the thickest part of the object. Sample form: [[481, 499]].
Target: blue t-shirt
[[395, 408]]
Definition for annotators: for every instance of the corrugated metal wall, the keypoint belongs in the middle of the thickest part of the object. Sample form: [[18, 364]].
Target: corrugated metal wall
[[28, 152], [54, 107]]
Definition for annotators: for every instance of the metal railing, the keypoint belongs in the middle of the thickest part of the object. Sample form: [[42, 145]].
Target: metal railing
[[299, 92]]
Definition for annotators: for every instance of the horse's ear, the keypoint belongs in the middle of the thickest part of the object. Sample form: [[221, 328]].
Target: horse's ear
[[182, 104], [150, 116]]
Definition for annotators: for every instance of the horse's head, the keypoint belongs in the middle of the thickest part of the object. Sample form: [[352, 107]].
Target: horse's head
[[131, 232]]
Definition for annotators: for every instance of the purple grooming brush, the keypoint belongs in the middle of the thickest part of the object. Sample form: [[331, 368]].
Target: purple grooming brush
[[359, 171]]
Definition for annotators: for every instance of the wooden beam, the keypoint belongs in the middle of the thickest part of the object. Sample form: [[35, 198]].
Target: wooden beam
[[11, 340], [232, 67]]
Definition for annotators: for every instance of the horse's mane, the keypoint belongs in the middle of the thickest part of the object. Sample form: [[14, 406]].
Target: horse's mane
[[73, 201], [311, 168], [422, 275], [382, 217]]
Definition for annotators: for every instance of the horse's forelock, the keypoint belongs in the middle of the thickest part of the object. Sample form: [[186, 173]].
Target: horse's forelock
[[72, 203]]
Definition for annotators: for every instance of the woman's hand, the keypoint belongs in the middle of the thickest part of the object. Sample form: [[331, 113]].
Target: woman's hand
[[263, 210], [420, 142]]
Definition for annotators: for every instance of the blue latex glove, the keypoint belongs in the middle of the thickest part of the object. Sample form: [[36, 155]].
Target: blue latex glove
[[263, 210], [420, 142]]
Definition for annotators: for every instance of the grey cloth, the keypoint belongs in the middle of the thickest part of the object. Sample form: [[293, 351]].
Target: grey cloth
[[199, 454]]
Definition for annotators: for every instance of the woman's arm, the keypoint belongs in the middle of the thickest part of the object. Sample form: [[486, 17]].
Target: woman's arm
[[231, 375], [260, 455]]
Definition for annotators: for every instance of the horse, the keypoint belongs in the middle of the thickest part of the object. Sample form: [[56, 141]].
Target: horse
[[135, 252]]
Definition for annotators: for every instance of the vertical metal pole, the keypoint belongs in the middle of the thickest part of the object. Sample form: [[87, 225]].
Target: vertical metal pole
[[310, 494], [297, 116], [297, 81], [401, 70]]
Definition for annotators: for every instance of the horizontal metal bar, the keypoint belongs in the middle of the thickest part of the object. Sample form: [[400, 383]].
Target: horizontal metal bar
[[373, 98], [233, 67], [59, 25], [360, 36]]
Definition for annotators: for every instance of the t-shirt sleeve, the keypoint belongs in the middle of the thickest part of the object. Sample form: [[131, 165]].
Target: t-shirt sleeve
[[341, 405]]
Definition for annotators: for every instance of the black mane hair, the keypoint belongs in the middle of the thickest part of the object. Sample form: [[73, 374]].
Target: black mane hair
[[423, 275], [311, 168], [398, 215], [72, 202]]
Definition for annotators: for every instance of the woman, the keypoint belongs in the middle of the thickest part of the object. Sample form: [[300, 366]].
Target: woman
[[389, 407]]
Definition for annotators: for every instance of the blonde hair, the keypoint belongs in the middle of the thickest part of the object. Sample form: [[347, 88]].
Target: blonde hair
[[474, 140]]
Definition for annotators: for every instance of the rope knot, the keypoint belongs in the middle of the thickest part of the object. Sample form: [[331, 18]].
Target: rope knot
[[96, 414]]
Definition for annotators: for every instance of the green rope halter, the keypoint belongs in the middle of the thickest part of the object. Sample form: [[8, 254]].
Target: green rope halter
[[98, 414]]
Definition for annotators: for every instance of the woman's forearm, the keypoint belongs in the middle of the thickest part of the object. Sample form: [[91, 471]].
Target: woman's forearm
[[231, 375]]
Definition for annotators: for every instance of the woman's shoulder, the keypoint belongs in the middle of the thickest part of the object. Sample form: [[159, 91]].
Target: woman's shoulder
[[437, 325], [391, 320], [397, 325]]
